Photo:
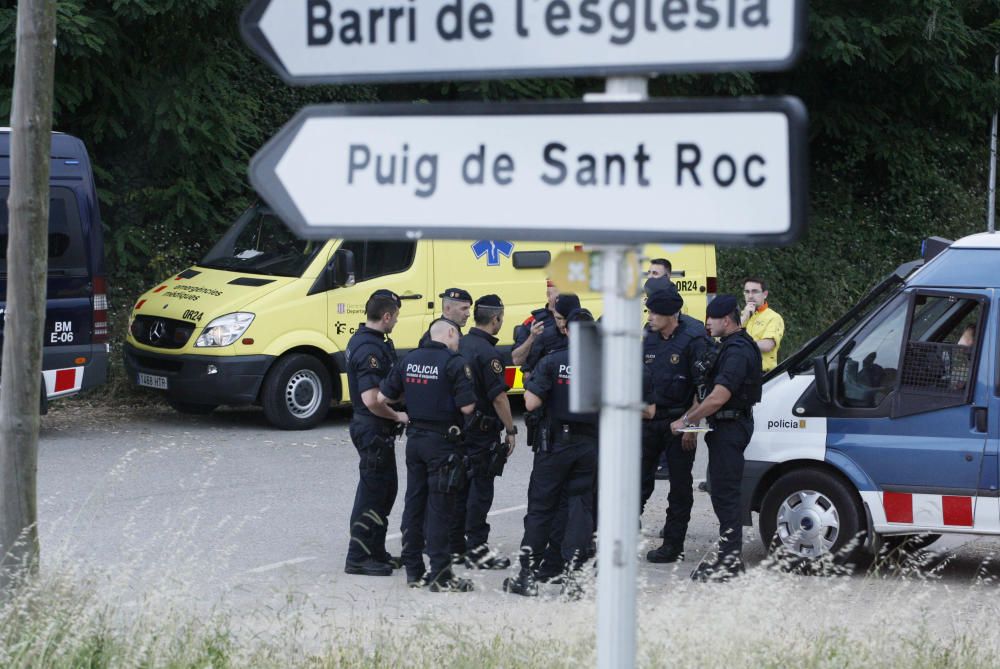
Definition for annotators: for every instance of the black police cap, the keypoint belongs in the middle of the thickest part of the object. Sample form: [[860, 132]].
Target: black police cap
[[722, 306], [665, 302], [580, 314], [566, 303], [457, 294], [493, 301], [657, 285], [383, 292]]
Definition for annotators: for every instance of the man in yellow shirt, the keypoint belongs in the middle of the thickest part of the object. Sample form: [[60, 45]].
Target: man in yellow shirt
[[764, 324]]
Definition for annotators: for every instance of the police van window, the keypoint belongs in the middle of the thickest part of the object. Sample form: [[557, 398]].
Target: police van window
[[940, 349], [67, 251], [868, 372], [375, 259], [259, 243]]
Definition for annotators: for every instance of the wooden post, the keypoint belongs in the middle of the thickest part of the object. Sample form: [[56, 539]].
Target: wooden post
[[27, 262]]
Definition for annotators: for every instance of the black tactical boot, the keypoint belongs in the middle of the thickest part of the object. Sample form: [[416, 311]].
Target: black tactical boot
[[665, 554], [483, 558], [523, 584], [448, 582], [368, 567]]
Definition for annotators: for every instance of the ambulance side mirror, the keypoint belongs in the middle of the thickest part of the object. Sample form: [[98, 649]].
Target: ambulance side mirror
[[341, 269], [822, 379]]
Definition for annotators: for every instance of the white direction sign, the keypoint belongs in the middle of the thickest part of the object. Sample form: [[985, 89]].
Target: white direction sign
[[667, 170], [350, 41]]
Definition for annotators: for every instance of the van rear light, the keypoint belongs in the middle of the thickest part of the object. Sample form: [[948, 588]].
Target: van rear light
[[712, 284], [100, 297]]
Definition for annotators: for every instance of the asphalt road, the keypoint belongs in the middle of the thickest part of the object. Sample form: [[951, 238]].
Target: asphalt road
[[225, 507]]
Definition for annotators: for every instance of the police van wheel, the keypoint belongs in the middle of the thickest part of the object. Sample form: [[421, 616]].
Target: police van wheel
[[296, 392], [191, 408], [809, 514]]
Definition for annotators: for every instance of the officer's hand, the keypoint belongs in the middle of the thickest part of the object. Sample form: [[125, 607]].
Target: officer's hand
[[537, 328], [511, 441], [403, 417], [676, 426], [649, 412], [689, 441]]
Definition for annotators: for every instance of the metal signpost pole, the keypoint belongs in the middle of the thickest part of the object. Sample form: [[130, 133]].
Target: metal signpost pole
[[991, 221], [620, 436]]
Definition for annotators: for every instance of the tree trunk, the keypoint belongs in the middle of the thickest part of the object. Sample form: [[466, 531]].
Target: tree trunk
[[27, 260]]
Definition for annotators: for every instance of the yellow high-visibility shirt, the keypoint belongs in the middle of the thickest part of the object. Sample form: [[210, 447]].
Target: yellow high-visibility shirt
[[766, 323]]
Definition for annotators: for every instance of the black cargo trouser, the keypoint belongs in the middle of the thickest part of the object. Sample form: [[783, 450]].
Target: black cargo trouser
[[726, 443], [469, 529], [567, 470], [377, 487], [656, 439], [427, 509]]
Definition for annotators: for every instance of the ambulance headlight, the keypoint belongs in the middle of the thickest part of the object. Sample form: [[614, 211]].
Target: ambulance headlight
[[224, 330]]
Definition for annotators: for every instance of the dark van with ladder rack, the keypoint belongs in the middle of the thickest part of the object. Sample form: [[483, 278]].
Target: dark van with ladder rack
[[75, 353]]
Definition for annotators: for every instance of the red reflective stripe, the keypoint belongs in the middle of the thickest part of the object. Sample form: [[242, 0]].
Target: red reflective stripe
[[898, 507], [529, 320], [957, 510], [160, 289], [138, 306], [509, 375], [65, 380]]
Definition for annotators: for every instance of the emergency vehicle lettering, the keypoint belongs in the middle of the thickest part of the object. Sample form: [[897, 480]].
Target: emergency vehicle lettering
[[62, 333], [686, 285]]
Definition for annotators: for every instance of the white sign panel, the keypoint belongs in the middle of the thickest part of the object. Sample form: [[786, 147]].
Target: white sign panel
[[672, 170], [343, 41]]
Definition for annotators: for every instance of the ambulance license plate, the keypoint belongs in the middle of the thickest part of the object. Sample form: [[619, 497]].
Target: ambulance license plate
[[152, 381]]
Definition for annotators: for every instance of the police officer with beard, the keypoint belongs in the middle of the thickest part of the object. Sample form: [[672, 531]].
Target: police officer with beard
[[670, 351], [437, 386], [487, 453], [733, 387], [565, 467], [370, 355]]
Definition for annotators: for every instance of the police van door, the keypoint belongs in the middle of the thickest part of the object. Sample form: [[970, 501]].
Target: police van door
[[908, 392], [402, 267]]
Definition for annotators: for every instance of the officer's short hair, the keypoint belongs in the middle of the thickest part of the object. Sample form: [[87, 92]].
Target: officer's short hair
[[378, 306], [753, 279], [483, 315], [664, 262]]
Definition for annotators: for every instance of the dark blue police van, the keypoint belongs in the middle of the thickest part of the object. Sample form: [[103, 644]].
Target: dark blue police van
[[75, 353]]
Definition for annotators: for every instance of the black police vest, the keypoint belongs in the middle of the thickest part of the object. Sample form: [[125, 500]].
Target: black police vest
[[479, 352], [557, 408], [669, 367], [428, 390], [742, 345], [551, 339], [363, 345]]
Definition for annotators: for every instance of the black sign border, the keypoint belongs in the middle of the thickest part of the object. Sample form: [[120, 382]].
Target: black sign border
[[255, 39], [263, 176]]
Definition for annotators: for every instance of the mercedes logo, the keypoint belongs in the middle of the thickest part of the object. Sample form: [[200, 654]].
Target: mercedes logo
[[157, 332]]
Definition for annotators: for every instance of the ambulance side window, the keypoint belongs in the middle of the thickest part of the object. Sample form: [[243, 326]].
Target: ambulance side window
[[375, 259], [868, 372]]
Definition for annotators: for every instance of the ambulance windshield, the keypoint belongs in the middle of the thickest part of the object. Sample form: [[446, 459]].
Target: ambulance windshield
[[259, 243]]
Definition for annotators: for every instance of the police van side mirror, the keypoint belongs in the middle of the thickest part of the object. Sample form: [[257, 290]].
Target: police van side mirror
[[822, 379], [341, 269]]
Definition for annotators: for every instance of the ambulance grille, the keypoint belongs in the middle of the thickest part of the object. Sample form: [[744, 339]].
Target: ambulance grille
[[161, 332]]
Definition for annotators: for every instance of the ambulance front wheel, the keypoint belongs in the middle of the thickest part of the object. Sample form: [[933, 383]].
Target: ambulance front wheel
[[809, 514], [296, 392]]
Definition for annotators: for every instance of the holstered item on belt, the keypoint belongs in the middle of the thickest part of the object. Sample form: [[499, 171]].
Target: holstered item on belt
[[532, 419], [497, 459], [731, 414], [568, 431], [480, 422], [453, 433], [452, 476]]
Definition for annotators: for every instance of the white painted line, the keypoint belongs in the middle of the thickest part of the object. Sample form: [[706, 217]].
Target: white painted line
[[279, 565], [522, 507]]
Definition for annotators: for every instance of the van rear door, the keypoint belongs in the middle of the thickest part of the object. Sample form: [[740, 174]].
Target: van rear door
[[69, 312]]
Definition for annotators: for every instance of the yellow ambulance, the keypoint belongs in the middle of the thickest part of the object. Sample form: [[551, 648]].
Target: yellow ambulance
[[265, 317]]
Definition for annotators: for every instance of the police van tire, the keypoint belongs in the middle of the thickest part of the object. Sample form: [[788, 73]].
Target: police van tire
[[296, 392], [191, 408], [819, 507]]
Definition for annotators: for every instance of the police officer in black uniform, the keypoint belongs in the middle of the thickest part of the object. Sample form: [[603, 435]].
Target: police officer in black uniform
[[370, 355], [565, 466], [437, 386], [734, 386], [486, 451], [456, 305], [670, 351], [538, 335]]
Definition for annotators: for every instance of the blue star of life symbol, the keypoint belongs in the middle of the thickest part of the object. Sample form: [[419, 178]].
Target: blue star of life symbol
[[492, 249]]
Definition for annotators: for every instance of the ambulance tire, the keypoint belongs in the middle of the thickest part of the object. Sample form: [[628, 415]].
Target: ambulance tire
[[191, 408], [296, 392], [847, 547]]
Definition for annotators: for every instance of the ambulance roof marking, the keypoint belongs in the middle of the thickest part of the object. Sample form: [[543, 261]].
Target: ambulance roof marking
[[983, 240]]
